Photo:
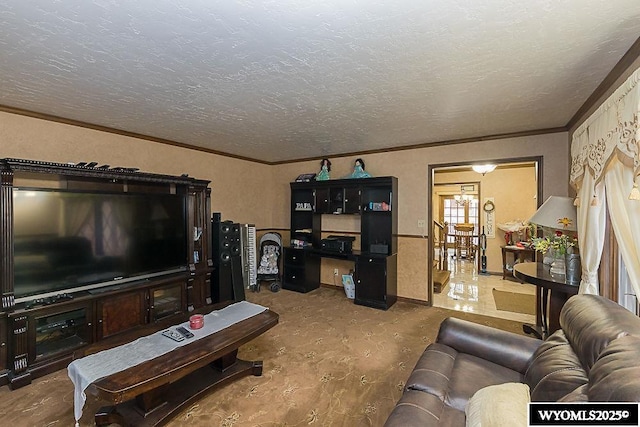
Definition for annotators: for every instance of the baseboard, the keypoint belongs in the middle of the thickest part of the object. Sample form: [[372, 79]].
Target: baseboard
[[403, 299], [414, 301]]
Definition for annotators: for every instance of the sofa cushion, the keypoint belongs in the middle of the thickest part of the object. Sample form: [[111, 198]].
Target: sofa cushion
[[454, 377], [506, 348], [472, 373], [591, 322], [577, 395], [417, 408], [498, 405], [432, 372], [555, 370], [614, 376]]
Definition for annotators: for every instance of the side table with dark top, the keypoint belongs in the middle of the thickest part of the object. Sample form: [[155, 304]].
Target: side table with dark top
[[519, 254], [551, 294]]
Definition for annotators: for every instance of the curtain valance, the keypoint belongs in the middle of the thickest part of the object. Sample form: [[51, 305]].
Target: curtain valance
[[612, 130], [604, 166]]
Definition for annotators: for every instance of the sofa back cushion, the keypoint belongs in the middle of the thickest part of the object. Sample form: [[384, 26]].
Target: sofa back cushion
[[591, 322], [554, 371], [595, 355], [615, 375]]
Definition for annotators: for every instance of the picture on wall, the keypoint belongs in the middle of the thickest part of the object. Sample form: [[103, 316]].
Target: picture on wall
[[489, 212]]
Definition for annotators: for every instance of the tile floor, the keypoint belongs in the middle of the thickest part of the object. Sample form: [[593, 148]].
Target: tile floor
[[471, 292]]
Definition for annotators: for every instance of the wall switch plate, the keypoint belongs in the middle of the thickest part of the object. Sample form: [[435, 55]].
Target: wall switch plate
[[335, 272]]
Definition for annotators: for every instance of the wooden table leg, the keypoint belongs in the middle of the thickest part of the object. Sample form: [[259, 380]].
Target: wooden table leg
[[152, 400], [540, 329], [256, 368], [108, 415], [556, 302], [226, 361]]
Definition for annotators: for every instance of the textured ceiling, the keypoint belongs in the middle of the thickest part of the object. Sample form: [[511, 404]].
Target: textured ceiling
[[290, 79]]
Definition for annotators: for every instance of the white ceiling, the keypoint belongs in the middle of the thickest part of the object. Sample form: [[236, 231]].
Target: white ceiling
[[276, 80]]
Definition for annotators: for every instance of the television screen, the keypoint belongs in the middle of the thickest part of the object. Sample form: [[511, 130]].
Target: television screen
[[66, 240]]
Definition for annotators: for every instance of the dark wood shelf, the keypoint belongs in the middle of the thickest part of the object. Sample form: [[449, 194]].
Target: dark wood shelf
[[375, 273]]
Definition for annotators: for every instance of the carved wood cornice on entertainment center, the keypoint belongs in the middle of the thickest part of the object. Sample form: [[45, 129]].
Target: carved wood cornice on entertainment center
[[101, 172], [42, 325]]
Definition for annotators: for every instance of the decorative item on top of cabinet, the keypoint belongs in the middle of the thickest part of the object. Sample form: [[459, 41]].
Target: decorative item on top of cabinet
[[359, 170], [306, 177], [325, 169]]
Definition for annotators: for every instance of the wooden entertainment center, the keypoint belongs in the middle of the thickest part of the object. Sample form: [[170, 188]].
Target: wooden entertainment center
[[40, 333]]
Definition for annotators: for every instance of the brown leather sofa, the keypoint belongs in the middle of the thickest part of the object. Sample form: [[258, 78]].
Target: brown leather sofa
[[595, 356]]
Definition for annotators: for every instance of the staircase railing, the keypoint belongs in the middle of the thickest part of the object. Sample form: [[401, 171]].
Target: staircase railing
[[440, 244]]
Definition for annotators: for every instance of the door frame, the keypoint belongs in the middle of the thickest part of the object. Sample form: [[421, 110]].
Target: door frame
[[431, 169]]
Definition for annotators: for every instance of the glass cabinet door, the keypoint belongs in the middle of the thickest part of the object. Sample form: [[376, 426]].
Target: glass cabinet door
[[167, 301], [58, 332]]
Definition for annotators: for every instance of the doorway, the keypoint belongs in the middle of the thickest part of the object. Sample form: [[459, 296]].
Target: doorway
[[514, 189], [459, 211]]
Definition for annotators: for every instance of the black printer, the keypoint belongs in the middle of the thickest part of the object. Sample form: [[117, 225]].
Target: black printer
[[339, 244]]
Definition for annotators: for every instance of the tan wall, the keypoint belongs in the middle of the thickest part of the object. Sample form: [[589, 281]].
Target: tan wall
[[514, 191], [248, 192], [240, 189], [411, 167]]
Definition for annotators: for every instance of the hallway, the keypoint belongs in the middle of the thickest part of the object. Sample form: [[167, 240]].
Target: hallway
[[471, 292]]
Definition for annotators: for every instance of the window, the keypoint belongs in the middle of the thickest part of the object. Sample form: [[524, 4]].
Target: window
[[455, 213]]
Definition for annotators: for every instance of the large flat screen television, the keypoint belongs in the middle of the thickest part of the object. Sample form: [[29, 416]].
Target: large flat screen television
[[67, 241]]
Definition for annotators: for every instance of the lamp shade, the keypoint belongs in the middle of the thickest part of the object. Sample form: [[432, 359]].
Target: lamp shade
[[556, 212]]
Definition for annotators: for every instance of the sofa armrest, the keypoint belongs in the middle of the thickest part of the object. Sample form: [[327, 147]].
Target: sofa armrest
[[495, 345]]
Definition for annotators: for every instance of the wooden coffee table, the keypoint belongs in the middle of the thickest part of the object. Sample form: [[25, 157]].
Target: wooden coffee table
[[151, 393]]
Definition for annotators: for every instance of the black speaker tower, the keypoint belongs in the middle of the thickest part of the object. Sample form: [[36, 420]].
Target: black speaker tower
[[226, 283]]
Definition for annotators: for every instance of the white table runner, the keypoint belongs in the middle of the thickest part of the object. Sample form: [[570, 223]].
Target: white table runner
[[88, 369]]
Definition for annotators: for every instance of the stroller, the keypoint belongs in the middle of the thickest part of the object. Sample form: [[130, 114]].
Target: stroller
[[269, 268]]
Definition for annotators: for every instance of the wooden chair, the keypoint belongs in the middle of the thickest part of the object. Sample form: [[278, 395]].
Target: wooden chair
[[465, 245]]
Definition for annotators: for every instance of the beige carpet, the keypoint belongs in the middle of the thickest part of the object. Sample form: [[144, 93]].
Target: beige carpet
[[327, 363], [513, 301]]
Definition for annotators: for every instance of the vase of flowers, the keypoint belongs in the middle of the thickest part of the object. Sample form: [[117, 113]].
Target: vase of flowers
[[559, 244]]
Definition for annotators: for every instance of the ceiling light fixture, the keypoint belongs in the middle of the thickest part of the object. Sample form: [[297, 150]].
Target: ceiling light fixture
[[463, 198], [483, 169]]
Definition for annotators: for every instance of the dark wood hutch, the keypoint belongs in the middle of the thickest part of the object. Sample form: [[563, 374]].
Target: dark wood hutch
[[375, 201], [39, 336]]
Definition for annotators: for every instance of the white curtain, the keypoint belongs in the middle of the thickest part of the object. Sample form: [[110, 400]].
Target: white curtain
[[604, 163]]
